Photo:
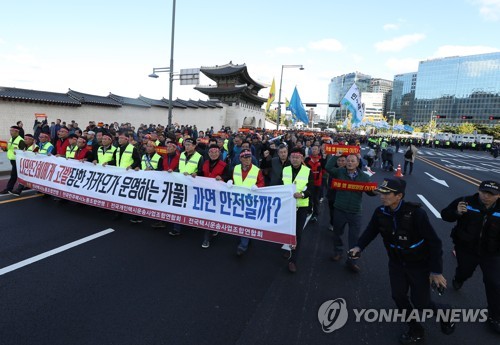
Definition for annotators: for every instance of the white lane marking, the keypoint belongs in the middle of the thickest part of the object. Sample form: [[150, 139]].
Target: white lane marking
[[53, 252], [429, 206], [435, 179]]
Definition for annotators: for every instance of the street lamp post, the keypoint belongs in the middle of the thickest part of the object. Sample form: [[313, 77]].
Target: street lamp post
[[171, 73], [301, 67], [170, 69]]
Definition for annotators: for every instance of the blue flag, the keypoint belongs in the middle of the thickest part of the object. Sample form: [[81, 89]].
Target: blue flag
[[297, 108]]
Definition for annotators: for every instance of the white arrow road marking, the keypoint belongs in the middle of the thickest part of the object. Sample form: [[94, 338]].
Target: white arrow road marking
[[429, 206], [53, 252], [443, 182]]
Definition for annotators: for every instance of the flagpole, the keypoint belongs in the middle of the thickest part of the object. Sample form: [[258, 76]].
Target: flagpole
[[301, 67]]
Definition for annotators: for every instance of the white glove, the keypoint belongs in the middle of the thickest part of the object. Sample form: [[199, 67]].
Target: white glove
[[229, 184], [254, 188]]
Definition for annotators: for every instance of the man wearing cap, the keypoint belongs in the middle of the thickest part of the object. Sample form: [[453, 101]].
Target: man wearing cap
[[190, 163], [476, 236], [62, 141], [91, 138], [302, 176], [16, 142], [246, 175], [105, 152], [415, 254], [217, 169]]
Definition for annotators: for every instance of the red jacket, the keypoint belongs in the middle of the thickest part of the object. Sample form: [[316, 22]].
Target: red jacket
[[171, 163], [61, 146], [218, 169], [82, 154], [315, 164]]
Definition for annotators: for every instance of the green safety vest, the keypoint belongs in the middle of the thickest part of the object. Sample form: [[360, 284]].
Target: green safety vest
[[105, 157], [250, 180], [226, 142], [191, 166], [70, 151], [44, 149], [13, 145], [150, 163], [124, 160], [300, 181], [32, 148], [473, 144], [436, 142], [488, 146], [447, 143]]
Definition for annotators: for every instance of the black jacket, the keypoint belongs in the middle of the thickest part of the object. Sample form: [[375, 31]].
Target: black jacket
[[421, 228], [478, 229]]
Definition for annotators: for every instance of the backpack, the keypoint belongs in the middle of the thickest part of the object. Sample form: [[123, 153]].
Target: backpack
[[409, 153]]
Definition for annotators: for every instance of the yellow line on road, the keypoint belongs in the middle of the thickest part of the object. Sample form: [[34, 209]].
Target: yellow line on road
[[21, 198], [458, 174]]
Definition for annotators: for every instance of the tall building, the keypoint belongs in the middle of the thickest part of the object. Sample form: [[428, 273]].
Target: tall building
[[384, 86], [403, 94], [380, 85], [339, 86], [451, 90], [374, 105], [457, 89]]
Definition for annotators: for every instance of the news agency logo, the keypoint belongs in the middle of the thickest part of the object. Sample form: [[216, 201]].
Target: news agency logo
[[333, 315]]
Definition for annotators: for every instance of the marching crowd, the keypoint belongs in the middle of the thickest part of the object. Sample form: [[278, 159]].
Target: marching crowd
[[266, 158]]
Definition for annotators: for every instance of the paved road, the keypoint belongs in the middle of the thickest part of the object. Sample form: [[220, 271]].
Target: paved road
[[137, 285]]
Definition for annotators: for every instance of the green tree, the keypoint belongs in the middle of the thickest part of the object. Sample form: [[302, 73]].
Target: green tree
[[448, 129], [493, 131], [272, 114], [466, 128]]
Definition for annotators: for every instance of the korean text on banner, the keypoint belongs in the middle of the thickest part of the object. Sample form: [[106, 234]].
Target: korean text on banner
[[345, 149], [265, 213], [352, 100]]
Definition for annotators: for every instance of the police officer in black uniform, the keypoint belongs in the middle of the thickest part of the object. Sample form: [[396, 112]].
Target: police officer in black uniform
[[477, 242], [415, 254]]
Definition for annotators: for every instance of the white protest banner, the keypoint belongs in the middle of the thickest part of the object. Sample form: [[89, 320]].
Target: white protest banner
[[264, 213]]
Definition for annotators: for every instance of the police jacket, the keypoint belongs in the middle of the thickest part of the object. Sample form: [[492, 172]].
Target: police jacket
[[478, 229], [407, 234]]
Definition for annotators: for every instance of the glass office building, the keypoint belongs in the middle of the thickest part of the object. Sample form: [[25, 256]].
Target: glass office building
[[339, 86], [454, 90], [403, 94]]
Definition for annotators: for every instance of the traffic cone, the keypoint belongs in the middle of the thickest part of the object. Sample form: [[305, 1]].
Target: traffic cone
[[398, 172]]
